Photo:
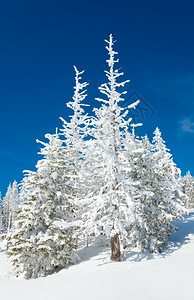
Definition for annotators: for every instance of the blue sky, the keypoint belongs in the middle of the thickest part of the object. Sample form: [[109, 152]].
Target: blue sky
[[42, 40]]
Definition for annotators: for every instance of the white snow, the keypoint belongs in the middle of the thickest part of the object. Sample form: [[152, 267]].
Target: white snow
[[142, 276]]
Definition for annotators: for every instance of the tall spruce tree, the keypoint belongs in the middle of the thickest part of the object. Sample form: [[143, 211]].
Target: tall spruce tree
[[43, 236], [108, 200], [75, 133]]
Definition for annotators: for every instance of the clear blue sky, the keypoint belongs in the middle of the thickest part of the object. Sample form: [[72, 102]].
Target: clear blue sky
[[41, 40]]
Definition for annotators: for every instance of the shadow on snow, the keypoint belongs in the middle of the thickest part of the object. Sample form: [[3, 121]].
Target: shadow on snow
[[185, 228], [177, 239]]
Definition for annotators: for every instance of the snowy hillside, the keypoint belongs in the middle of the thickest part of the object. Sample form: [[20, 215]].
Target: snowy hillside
[[142, 276]]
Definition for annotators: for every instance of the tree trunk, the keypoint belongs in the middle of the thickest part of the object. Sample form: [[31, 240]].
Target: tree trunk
[[115, 248]]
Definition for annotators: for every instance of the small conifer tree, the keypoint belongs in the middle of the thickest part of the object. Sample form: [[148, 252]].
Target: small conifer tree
[[9, 206], [188, 182]]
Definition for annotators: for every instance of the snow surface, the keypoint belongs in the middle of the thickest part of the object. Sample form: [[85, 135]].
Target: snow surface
[[142, 276]]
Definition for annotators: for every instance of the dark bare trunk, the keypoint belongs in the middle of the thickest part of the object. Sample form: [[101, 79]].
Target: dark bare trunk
[[115, 248]]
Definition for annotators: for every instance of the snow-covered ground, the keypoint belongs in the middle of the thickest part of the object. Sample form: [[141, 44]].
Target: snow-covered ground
[[142, 276]]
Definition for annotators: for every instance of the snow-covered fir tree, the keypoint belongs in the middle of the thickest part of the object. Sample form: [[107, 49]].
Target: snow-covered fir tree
[[6, 209], [75, 133], [9, 206], [15, 200], [108, 200], [43, 236], [138, 171], [168, 190], [155, 190], [188, 181]]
